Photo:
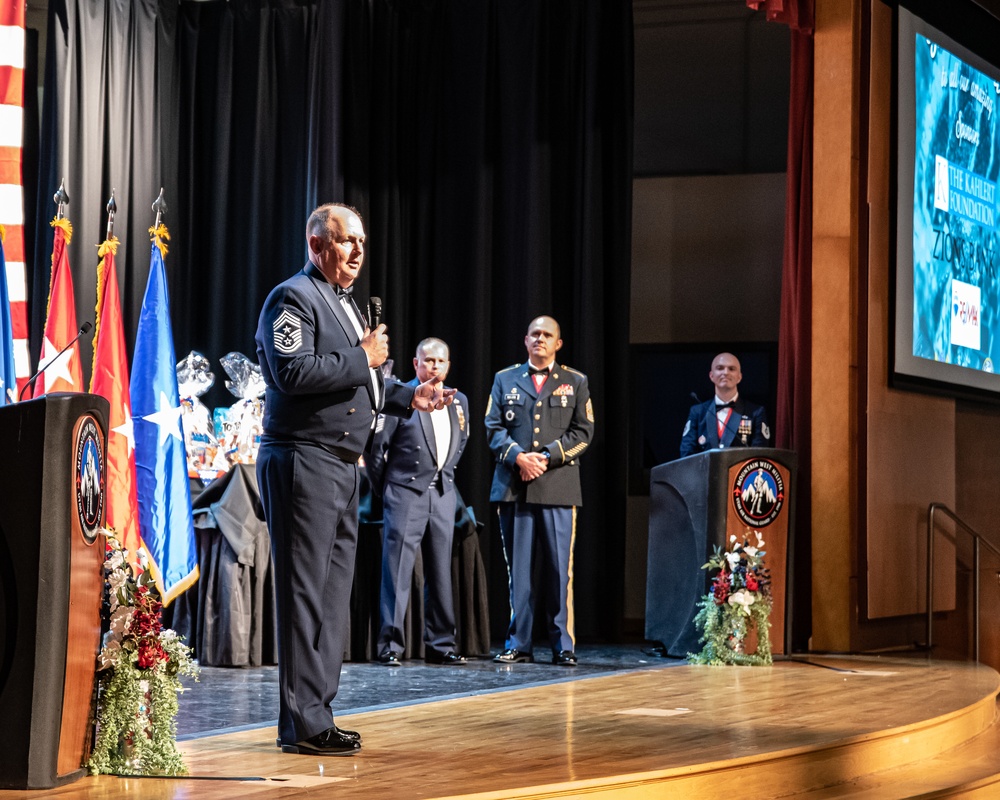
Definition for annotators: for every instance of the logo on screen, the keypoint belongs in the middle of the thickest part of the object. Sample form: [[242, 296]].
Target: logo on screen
[[88, 463], [965, 315], [758, 493], [941, 183]]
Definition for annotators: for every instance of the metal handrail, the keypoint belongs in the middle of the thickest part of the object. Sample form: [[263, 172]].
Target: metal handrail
[[977, 538]]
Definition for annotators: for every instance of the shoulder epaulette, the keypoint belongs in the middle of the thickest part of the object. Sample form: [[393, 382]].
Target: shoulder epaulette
[[508, 369], [574, 371]]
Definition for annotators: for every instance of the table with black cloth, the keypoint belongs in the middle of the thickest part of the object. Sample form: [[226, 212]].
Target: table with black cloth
[[229, 618]]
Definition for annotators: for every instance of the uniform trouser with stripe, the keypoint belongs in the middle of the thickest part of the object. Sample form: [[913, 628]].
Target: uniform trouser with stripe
[[551, 530], [310, 499]]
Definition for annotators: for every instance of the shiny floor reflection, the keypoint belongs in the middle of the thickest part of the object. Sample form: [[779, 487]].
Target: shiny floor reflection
[[232, 698]]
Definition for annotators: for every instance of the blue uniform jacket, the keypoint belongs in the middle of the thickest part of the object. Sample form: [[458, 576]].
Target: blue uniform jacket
[[404, 452], [559, 419], [318, 382], [703, 423]]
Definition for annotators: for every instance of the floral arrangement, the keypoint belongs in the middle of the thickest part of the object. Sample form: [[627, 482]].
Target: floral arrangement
[[739, 599], [138, 675]]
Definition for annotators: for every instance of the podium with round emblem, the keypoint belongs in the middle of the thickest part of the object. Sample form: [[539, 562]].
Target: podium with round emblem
[[51, 556], [697, 503]]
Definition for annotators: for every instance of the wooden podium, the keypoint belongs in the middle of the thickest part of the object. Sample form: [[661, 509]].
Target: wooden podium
[[698, 502], [51, 556]]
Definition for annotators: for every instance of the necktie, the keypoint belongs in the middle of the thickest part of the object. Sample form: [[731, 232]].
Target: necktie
[[342, 292]]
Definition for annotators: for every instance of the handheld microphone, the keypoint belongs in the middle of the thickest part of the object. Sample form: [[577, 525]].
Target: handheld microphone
[[375, 311], [84, 330]]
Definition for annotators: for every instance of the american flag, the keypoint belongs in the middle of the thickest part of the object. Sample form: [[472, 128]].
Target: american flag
[[11, 195]]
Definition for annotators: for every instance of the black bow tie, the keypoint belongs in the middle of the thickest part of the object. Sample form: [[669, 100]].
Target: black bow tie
[[535, 371], [342, 292], [730, 404]]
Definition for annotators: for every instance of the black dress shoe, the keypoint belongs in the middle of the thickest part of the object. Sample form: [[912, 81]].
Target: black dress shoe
[[346, 734], [331, 742], [511, 656], [450, 658], [390, 658], [564, 658]]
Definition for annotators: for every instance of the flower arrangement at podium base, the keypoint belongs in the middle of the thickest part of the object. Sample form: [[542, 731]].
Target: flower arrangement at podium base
[[734, 617], [138, 678]]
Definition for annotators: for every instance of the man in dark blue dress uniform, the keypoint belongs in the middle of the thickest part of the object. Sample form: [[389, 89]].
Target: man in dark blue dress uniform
[[539, 422], [320, 363], [412, 465], [726, 420]]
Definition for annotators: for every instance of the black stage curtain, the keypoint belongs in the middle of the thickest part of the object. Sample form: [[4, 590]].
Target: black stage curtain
[[487, 143]]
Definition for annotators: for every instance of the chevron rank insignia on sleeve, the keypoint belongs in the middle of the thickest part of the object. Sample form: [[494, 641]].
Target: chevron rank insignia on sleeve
[[287, 332]]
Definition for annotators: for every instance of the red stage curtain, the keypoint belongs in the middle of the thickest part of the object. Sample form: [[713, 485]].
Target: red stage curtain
[[792, 426]]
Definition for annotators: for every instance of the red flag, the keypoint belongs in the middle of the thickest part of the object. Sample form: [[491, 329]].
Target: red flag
[[62, 374], [110, 380]]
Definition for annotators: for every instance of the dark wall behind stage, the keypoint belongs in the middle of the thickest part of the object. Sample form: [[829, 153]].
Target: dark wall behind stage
[[487, 144]]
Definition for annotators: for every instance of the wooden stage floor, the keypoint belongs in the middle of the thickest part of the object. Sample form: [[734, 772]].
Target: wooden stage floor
[[683, 731]]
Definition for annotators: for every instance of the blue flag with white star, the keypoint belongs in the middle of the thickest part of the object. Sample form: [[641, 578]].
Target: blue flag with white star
[[165, 520], [8, 374]]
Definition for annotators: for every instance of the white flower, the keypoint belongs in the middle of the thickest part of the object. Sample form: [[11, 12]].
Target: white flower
[[120, 620], [116, 560], [744, 599], [117, 580], [732, 538], [733, 559], [109, 655], [143, 686], [750, 551]]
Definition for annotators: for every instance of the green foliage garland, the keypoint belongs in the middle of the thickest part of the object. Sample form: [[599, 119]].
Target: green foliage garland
[[740, 595], [138, 679], [724, 626]]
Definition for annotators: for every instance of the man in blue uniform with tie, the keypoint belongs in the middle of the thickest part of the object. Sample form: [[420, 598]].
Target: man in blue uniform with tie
[[726, 420], [320, 363], [539, 421], [412, 465]]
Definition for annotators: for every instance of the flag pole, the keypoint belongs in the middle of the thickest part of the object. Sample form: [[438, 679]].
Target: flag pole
[[112, 209], [61, 199], [160, 207]]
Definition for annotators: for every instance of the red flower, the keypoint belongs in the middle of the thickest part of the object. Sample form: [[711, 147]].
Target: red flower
[[752, 584], [720, 588]]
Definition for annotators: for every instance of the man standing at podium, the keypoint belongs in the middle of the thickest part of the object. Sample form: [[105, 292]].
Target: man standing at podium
[[726, 420], [539, 422]]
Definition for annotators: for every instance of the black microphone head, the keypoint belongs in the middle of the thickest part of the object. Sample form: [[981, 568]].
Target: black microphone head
[[85, 328], [695, 397], [374, 311]]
